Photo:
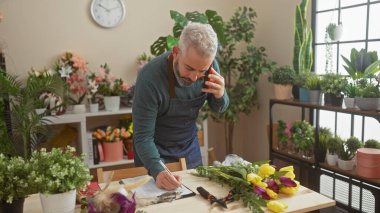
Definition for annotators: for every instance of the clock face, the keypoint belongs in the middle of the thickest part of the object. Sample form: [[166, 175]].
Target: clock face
[[108, 13]]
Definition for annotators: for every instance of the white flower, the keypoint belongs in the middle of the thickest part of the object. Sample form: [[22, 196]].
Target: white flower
[[65, 71]]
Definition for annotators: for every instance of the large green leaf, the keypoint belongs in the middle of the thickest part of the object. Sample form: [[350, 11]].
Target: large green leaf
[[159, 46], [308, 53], [197, 17], [180, 22], [217, 24], [373, 68], [171, 42]]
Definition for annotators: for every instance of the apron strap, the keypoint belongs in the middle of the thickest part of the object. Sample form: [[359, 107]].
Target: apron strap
[[171, 76]]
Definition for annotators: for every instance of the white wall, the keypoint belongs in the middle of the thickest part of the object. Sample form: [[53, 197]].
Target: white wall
[[35, 32]]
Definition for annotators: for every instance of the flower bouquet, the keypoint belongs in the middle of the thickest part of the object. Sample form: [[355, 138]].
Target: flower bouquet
[[257, 184]]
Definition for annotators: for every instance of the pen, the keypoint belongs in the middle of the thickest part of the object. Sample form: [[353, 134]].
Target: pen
[[166, 169]]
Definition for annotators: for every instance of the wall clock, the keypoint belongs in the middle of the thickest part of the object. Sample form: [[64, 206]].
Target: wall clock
[[108, 13]]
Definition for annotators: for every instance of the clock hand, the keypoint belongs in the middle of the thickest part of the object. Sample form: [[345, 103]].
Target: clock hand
[[100, 5], [114, 8]]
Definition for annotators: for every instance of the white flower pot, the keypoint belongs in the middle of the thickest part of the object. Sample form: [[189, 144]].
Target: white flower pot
[[94, 107], [338, 32], [112, 103], [79, 108], [331, 159], [58, 203], [349, 102], [346, 164]]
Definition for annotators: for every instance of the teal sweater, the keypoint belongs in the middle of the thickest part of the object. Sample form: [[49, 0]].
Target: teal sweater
[[151, 100]]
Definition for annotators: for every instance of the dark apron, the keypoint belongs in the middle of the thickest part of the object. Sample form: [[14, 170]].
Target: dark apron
[[176, 132]]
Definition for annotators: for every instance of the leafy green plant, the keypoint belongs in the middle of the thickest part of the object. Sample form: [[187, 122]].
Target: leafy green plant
[[351, 90], [282, 75], [15, 179], [369, 91], [333, 144], [331, 31], [241, 67], [301, 78], [303, 39], [333, 83], [282, 135], [362, 63], [302, 135], [353, 144], [313, 82], [59, 171], [27, 126], [344, 153], [325, 136], [371, 143]]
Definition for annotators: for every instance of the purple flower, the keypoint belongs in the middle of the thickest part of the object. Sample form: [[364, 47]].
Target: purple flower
[[273, 185], [126, 205], [261, 192], [287, 181]]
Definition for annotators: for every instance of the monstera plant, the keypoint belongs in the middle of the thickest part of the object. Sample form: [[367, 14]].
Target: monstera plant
[[241, 69]]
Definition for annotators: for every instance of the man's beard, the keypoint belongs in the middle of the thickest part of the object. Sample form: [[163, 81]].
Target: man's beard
[[182, 81]]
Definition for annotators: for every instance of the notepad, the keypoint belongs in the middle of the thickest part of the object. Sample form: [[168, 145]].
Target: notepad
[[150, 190]]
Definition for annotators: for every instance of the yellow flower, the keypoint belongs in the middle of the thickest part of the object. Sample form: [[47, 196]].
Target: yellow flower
[[261, 184], [277, 206], [290, 175], [290, 190], [253, 178], [271, 193], [288, 169], [266, 170]]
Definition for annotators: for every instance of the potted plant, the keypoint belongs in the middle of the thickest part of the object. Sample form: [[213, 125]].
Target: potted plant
[[334, 32], [15, 183], [324, 136], [283, 135], [371, 143], [362, 63], [347, 153], [333, 85], [303, 137], [368, 97], [350, 92], [109, 87], [58, 175], [283, 79], [314, 87], [332, 150], [300, 81]]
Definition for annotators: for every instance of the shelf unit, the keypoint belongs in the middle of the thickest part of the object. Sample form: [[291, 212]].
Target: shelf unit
[[310, 171], [85, 121]]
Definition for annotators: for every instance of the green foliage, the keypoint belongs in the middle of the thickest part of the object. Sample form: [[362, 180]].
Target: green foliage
[[362, 64], [369, 91], [325, 136], [302, 135], [353, 144], [333, 144], [165, 43], [313, 82], [331, 30], [301, 78], [27, 126], [59, 171], [333, 83], [282, 75], [351, 90], [281, 134], [303, 39], [344, 153], [15, 182], [371, 143]]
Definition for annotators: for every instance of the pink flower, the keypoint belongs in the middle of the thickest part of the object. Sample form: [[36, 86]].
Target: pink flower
[[124, 86], [261, 192], [273, 185], [286, 181], [79, 62]]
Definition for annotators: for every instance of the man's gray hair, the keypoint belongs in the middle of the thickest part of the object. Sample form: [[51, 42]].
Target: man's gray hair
[[200, 36]]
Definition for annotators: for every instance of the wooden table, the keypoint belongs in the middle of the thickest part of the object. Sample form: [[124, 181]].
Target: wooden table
[[304, 201]]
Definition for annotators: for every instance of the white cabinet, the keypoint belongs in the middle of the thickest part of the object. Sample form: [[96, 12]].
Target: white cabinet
[[85, 122]]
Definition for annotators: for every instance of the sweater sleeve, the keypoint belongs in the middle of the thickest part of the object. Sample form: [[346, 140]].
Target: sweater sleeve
[[144, 112]]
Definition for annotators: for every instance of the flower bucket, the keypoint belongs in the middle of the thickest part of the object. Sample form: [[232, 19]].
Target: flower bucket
[[79, 108], [112, 103], [283, 92], [58, 203], [94, 107], [17, 206], [113, 151]]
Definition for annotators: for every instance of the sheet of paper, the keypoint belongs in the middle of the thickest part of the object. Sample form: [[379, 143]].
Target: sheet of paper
[[150, 190]]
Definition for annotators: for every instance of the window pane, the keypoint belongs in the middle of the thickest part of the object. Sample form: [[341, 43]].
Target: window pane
[[320, 63], [354, 25], [374, 46], [358, 126], [345, 3], [345, 50], [374, 25], [371, 129], [326, 5], [327, 119], [323, 20], [343, 125]]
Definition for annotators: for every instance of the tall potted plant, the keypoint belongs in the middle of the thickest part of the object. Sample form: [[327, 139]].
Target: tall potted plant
[[283, 79], [324, 136], [241, 69]]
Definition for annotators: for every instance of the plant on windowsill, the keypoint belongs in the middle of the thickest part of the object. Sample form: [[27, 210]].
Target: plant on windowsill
[[372, 143], [283, 79], [332, 150], [368, 97], [350, 93], [347, 153], [333, 85], [362, 64], [303, 138], [313, 84]]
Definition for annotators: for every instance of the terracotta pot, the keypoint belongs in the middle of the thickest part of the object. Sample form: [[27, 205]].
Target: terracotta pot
[[113, 151], [283, 92], [368, 162]]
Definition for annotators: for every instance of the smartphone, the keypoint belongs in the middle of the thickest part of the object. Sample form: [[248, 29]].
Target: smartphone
[[206, 76]]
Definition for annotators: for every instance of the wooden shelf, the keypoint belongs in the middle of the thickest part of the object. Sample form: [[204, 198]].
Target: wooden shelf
[[295, 156], [106, 164], [349, 173]]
